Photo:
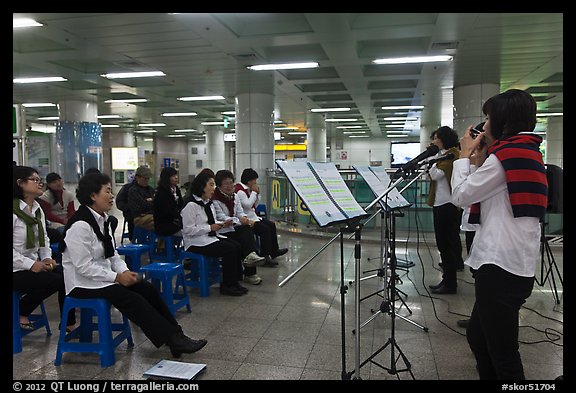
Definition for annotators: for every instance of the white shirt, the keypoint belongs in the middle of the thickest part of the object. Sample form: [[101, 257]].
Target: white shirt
[[23, 258], [83, 260], [443, 192], [248, 202], [465, 225], [501, 239], [222, 214], [195, 224]]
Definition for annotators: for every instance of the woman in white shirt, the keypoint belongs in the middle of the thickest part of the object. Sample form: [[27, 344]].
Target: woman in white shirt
[[199, 233], [93, 269], [35, 275]]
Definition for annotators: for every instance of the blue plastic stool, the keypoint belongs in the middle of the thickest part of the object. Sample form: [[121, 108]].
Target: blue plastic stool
[[38, 320], [133, 254], [107, 343], [171, 248], [205, 271], [161, 274]]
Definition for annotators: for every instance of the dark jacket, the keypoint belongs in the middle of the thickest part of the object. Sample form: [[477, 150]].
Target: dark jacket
[[167, 219], [137, 196]]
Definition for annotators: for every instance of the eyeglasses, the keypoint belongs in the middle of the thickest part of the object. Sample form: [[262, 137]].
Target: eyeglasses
[[36, 180]]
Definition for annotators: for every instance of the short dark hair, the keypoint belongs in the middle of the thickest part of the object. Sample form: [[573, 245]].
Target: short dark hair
[[447, 135], [90, 184], [199, 183], [222, 175], [247, 175], [20, 172], [510, 113], [92, 170]]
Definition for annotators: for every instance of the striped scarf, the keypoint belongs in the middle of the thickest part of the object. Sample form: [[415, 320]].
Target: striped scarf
[[525, 176]]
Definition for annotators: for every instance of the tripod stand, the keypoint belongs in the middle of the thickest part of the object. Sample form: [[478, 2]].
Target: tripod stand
[[547, 259]]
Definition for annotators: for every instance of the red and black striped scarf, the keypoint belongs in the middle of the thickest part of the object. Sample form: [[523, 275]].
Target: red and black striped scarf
[[225, 199], [525, 176]]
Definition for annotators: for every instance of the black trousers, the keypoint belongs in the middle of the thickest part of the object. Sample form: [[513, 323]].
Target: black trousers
[[244, 235], [268, 239], [230, 251], [492, 332], [142, 304], [37, 287], [447, 219]]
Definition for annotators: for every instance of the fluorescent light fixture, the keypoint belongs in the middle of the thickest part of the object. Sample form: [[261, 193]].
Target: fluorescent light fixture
[[400, 118], [229, 113], [358, 136], [44, 128], [126, 100], [404, 107], [285, 66], [278, 122], [298, 133], [49, 118], [550, 114], [285, 128], [108, 117], [109, 126], [176, 114], [186, 130], [40, 79], [24, 22], [37, 104], [414, 59], [353, 132], [343, 127], [397, 136], [123, 75], [144, 131], [318, 110], [212, 123], [335, 120], [176, 136], [201, 98], [152, 125]]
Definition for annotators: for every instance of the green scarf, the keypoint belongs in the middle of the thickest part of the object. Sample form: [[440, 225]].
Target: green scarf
[[29, 221]]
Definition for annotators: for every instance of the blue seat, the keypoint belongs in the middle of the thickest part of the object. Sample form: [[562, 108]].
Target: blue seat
[[204, 272], [162, 274], [107, 343], [261, 211], [38, 320], [170, 249], [133, 254]]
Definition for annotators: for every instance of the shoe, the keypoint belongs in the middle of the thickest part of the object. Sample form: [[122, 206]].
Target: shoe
[[443, 290], [27, 326], [241, 288], [463, 323], [253, 259], [254, 279], [436, 286], [270, 262], [279, 253], [230, 291], [179, 343]]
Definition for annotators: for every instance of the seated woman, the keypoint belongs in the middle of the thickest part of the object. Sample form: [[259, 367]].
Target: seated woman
[[57, 202], [248, 193], [199, 233], [93, 269], [228, 208], [35, 275]]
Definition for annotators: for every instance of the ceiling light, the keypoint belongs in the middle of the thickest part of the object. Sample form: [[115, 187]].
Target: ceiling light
[[212, 123], [301, 133], [397, 136], [24, 22], [404, 107], [358, 136], [123, 75], [550, 114], [41, 79], [334, 120], [201, 98], [127, 100], [37, 104], [415, 59], [144, 131], [400, 118], [175, 114], [186, 130], [231, 113], [49, 118], [152, 125], [349, 127], [108, 117], [286, 66], [176, 136], [353, 132], [285, 128], [109, 126], [329, 110]]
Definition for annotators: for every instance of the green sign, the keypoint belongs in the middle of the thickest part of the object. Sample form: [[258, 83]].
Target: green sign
[[226, 121]]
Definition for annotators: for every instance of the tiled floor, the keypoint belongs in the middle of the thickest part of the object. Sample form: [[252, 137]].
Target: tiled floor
[[294, 331]]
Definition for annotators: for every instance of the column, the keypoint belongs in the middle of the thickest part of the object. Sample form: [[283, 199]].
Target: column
[[215, 150], [255, 128], [78, 140], [468, 101], [316, 139], [555, 141]]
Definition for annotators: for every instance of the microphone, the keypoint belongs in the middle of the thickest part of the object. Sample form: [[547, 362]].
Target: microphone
[[448, 156], [413, 163]]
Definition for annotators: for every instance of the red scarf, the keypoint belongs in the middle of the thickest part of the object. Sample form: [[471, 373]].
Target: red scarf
[[240, 187], [525, 176], [225, 199]]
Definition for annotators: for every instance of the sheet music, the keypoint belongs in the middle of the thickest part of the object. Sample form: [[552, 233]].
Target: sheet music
[[337, 188], [311, 192], [394, 199], [374, 183], [175, 370]]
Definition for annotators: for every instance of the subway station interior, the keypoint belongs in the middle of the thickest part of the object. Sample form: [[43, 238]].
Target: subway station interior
[[351, 92]]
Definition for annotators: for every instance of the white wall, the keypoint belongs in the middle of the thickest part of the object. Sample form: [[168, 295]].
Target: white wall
[[360, 151]]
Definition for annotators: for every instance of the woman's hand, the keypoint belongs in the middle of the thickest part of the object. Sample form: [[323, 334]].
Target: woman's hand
[[228, 223], [244, 220], [216, 226], [127, 278], [469, 144]]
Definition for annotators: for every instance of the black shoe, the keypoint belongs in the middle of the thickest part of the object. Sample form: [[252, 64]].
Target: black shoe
[[278, 253], [270, 263], [241, 288], [436, 286], [463, 323], [179, 343], [444, 290], [230, 290]]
